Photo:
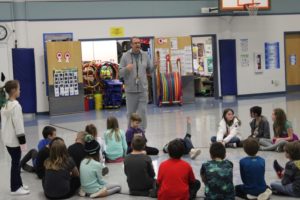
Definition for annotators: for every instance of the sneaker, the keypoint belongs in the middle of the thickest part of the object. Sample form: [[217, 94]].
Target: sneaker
[[231, 145], [81, 193], [249, 196], [280, 149], [20, 191], [278, 169], [25, 187], [266, 195], [100, 193], [105, 171], [194, 153]]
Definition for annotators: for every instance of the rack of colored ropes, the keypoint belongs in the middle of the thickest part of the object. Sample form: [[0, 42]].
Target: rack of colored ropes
[[169, 88]]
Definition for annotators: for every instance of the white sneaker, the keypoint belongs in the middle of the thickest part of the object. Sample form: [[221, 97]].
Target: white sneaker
[[20, 191], [194, 153], [25, 187], [265, 195], [249, 196]]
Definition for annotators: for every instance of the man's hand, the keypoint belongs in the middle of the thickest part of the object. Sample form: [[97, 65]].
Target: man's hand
[[129, 67]]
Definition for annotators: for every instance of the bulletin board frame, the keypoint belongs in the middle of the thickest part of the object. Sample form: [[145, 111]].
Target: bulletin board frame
[[65, 57]]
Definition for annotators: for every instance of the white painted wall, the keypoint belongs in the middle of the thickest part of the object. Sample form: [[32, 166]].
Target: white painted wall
[[260, 30], [6, 53]]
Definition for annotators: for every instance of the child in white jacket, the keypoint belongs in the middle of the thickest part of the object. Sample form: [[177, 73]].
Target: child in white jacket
[[13, 134], [229, 130]]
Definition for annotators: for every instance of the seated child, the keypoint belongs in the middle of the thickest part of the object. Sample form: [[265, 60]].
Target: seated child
[[260, 127], [49, 133], [115, 140], [61, 176], [229, 130], [187, 142], [176, 178], [133, 130], [283, 133], [42, 155], [76, 150], [217, 174], [139, 169], [290, 182], [91, 129], [92, 183], [252, 169]]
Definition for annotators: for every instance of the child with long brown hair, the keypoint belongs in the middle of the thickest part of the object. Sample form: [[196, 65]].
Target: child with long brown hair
[[61, 179], [115, 140], [229, 130], [283, 133], [92, 183], [13, 133]]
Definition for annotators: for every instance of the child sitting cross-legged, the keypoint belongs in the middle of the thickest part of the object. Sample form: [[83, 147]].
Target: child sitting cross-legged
[[252, 169], [49, 133], [115, 140], [290, 181], [139, 169], [133, 130], [61, 176], [217, 174], [92, 183], [176, 179]]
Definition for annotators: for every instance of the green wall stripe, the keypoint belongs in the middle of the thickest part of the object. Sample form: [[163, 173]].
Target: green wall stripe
[[121, 9]]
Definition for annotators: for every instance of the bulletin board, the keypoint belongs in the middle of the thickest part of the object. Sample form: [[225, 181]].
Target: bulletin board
[[180, 51], [65, 77]]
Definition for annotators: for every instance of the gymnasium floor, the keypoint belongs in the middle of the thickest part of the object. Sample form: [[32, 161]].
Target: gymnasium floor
[[164, 124]]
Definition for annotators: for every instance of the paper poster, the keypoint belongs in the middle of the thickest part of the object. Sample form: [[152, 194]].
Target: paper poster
[[57, 80], [210, 64], [65, 82], [293, 59], [162, 54], [272, 56], [182, 60], [244, 59], [258, 63], [244, 45], [174, 43]]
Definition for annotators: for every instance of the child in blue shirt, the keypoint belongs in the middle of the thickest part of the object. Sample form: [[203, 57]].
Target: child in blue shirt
[[49, 133], [252, 169], [92, 183], [115, 140]]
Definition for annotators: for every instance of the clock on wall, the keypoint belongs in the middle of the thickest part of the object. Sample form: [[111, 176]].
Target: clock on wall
[[3, 32]]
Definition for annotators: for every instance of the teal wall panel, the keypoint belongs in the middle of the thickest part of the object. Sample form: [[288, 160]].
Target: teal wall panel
[[5, 11], [66, 10]]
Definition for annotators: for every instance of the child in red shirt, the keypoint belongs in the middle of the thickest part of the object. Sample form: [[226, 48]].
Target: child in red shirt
[[176, 179]]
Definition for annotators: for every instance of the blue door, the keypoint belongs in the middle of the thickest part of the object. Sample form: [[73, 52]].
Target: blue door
[[228, 67], [24, 71]]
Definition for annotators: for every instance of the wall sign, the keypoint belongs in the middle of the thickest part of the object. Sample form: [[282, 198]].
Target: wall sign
[[117, 31], [272, 56]]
